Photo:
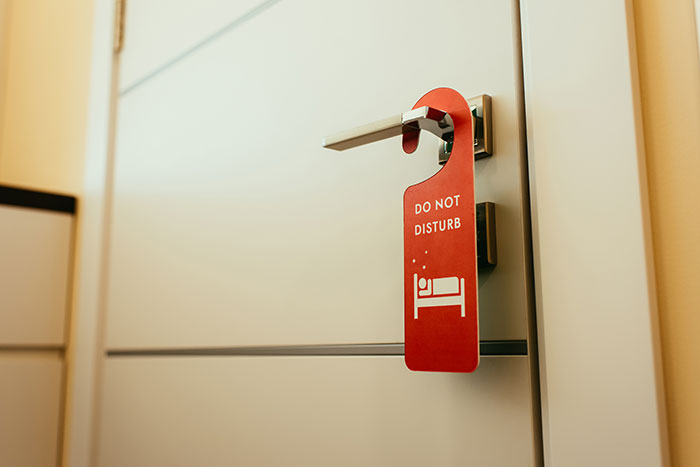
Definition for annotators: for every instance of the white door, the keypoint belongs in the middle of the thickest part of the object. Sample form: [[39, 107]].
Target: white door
[[232, 234]]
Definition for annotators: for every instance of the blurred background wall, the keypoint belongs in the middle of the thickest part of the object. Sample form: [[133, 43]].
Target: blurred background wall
[[44, 83], [45, 48], [669, 72]]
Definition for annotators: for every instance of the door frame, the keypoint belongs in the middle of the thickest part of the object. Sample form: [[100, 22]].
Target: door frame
[[599, 352], [601, 376]]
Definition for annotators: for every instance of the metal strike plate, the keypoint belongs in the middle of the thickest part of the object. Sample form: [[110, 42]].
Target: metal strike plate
[[486, 235]]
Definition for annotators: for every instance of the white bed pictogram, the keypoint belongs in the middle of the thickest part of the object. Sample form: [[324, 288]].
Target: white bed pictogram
[[438, 291]]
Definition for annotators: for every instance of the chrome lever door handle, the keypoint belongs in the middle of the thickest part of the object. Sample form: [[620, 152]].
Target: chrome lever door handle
[[426, 118], [423, 118]]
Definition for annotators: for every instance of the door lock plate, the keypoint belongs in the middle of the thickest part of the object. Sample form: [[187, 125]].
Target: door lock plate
[[482, 129], [486, 235]]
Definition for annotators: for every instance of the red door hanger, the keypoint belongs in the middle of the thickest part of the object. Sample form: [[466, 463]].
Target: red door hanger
[[440, 261]]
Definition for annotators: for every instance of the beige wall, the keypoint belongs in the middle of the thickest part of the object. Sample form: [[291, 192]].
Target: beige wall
[[4, 36], [670, 86], [42, 125]]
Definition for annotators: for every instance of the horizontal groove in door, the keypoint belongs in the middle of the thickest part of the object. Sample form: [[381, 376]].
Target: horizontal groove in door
[[488, 348], [202, 43]]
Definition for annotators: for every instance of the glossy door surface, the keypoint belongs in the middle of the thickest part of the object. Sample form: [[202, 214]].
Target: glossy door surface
[[232, 226], [346, 411]]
